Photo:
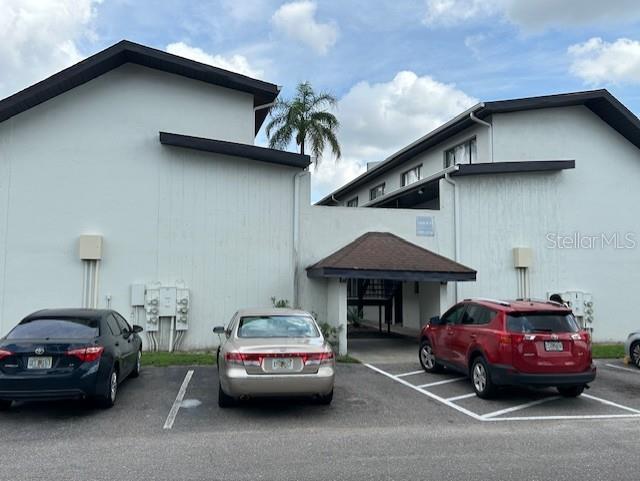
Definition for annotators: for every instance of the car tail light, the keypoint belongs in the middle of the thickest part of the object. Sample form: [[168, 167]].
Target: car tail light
[[87, 354], [317, 358], [255, 359], [4, 353]]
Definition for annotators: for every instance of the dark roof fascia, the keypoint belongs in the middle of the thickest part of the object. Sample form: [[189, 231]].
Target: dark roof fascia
[[130, 52], [280, 157], [328, 272], [521, 167], [484, 168], [601, 102]]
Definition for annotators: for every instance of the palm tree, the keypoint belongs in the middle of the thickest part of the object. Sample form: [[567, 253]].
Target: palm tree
[[305, 117]]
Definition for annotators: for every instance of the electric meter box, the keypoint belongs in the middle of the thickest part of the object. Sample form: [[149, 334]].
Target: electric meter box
[[167, 301], [138, 292], [522, 257]]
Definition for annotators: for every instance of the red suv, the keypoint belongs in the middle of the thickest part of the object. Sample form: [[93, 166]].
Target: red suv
[[497, 343]]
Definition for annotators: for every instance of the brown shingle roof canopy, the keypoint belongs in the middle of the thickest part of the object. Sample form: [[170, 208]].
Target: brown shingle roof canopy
[[382, 255]]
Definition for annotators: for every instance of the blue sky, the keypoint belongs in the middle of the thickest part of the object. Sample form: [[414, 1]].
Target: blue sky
[[399, 68]]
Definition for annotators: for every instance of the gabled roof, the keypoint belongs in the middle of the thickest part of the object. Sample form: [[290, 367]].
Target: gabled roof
[[600, 102], [381, 255], [130, 52], [289, 159]]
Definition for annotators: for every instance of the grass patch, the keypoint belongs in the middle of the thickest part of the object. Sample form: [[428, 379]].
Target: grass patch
[[607, 351], [347, 359], [164, 359]]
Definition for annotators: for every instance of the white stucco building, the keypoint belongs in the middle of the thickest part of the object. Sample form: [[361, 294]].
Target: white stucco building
[[131, 181]]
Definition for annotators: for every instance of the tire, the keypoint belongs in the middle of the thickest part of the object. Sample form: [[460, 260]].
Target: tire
[[634, 353], [325, 399], [224, 400], [108, 399], [138, 367], [5, 405], [427, 358], [480, 375], [570, 391]]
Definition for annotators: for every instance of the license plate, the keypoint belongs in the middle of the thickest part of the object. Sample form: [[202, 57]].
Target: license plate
[[39, 363], [554, 346], [282, 364]]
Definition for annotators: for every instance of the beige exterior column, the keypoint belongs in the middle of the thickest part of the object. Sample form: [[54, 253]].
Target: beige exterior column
[[337, 310]]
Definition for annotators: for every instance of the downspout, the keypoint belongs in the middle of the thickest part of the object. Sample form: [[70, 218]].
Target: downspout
[[296, 233], [489, 126], [456, 219]]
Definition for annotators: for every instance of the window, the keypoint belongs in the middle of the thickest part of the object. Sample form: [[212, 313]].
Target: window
[[377, 191], [56, 329], [277, 326], [454, 315], [353, 202], [542, 322], [124, 325], [411, 176], [478, 315], [113, 325], [464, 153]]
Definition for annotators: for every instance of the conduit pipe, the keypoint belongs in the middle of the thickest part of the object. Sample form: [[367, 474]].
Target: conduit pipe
[[475, 119], [296, 233], [456, 219]]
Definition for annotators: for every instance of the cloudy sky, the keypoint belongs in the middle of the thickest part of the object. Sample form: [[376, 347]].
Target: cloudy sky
[[398, 67]]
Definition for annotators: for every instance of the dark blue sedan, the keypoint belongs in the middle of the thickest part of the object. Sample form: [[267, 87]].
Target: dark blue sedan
[[68, 353]]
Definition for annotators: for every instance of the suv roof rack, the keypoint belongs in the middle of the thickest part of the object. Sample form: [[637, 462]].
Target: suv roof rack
[[542, 301], [486, 299]]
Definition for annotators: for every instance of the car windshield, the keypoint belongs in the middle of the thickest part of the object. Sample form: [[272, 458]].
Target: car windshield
[[542, 322], [277, 326], [55, 329]]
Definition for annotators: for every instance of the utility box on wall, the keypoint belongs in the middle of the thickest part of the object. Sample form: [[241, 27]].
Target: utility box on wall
[[90, 247], [522, 257]]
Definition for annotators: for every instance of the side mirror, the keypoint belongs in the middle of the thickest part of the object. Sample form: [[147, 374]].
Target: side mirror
[[137, 329], [219, 330], [435, 321]]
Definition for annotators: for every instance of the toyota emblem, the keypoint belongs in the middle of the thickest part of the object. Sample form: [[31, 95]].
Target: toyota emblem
[[39, 351]]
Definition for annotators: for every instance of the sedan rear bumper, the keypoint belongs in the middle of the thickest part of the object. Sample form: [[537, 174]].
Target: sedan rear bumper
[[236, 382], [47, 387], [506, 375]]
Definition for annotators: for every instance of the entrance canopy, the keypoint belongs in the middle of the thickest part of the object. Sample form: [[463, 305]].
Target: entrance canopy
[[382, 255]]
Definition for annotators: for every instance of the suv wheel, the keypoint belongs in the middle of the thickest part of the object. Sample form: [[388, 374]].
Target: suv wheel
[[634, 350], [481, 378], [571, 391], [428, 358]]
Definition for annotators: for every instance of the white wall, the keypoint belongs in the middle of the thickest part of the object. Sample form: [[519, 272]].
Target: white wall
[[432, 161], [598, 196], [324, 230], [89, 161]]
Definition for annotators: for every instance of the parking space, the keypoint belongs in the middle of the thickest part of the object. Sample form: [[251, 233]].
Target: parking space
[[614, 394]]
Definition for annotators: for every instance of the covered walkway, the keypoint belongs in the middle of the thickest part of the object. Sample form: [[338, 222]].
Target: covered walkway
[[384, 272]]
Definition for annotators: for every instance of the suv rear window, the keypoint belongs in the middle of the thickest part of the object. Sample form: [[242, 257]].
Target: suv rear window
[[55, 329], [277, 326], [542, 322]]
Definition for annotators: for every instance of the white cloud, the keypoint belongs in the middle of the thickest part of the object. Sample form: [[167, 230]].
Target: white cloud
[[38, 38], [246, 10], [597, 61], [297, 21], [235, 63], [379, 119], [532, 15]]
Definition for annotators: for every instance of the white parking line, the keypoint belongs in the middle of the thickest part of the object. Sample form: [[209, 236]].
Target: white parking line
[[412, 373], [168, 424], [519, 407], [458, 398], [426, 393], [438, 383], [611, 403], [635, 371], [497, 416]]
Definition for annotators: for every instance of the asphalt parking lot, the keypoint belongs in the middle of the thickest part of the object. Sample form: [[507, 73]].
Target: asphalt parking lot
[[380, 426]]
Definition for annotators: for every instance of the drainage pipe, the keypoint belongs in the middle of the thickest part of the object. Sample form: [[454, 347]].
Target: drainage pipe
[[456, 220], [475, 119]]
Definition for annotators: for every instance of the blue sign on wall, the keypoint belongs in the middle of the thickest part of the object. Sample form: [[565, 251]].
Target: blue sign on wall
[[424, 226]]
